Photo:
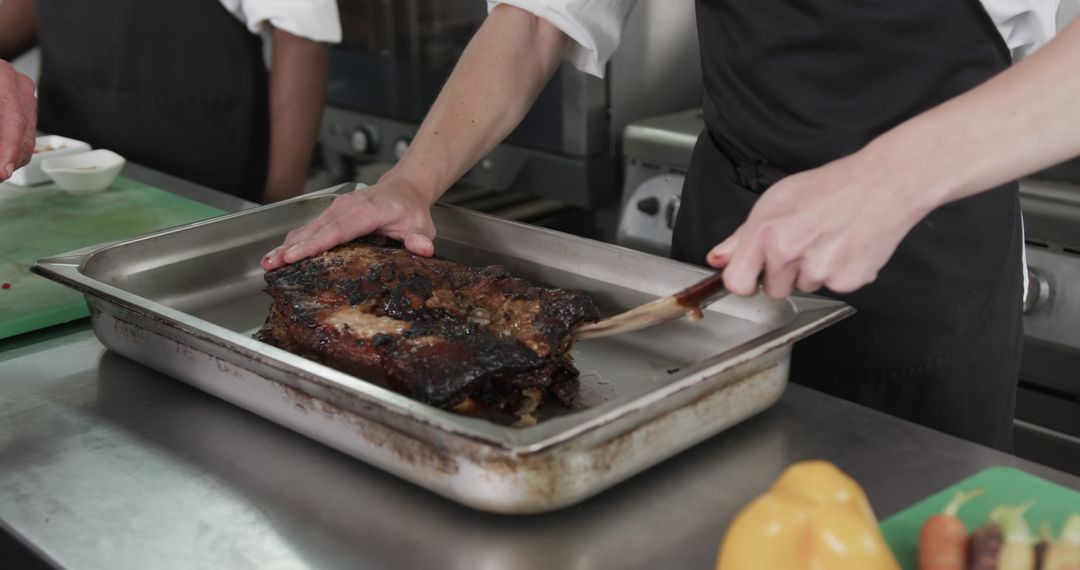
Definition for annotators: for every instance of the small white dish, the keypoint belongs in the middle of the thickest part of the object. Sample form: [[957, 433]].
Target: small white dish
[[84, 172], [46, 146]]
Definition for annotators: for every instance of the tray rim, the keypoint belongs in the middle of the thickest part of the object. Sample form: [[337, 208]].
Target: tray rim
[[812, 313]]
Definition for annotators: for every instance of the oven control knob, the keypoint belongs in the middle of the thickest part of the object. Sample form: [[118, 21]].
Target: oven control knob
[[360, 141], [1038, 291], [401, 146], [364, 140], [649, 206]]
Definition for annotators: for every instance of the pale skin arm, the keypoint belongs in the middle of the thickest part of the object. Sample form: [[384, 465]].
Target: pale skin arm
[[18, 107], [836, 226], [297, 93], [507, 63], [18, 120]]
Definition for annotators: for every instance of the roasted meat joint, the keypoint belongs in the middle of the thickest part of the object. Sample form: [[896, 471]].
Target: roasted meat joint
[[475, 340]]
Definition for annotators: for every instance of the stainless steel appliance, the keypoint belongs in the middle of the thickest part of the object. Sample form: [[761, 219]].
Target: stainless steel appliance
[[396, 55], [186, 300], [657, 152], [1048, 403]]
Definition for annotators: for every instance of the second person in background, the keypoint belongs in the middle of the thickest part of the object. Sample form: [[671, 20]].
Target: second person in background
[[182, 86]]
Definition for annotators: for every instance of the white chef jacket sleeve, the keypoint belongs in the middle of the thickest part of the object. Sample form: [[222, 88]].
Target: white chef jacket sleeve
[[316, 20], [595, 26], [1025, 25]]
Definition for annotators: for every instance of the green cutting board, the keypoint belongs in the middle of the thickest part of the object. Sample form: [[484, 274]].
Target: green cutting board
[[38, 221], [1052, 504]]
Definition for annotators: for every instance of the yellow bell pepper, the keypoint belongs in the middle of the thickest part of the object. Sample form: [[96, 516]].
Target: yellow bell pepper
[[814, 517]]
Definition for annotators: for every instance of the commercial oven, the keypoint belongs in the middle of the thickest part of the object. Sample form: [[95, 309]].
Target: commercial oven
[[1048, 403]]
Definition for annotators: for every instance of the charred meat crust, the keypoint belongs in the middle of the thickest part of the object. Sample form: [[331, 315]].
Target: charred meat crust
[[474, 339]]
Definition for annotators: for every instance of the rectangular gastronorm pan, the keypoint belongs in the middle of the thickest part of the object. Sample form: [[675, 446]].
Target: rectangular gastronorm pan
[[185, 302]]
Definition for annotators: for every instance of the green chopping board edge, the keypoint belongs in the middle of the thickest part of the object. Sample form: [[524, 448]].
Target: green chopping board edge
[[39, 221], [65, 313], [1052, 504]]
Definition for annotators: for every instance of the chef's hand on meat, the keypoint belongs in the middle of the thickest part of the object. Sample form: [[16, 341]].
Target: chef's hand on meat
[[833, 226], [393, 207], [18, 119]]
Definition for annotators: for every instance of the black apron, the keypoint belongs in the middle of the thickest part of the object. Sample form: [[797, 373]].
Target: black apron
[[793, 85], [176, 85]]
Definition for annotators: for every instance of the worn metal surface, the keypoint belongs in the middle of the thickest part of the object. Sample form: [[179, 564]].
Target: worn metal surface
[[105, 463], [185, 302]]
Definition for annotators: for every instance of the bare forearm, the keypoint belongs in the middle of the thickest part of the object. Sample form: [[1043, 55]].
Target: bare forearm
[[494, 84], [297, 94], [1025, 119], [18, 27]]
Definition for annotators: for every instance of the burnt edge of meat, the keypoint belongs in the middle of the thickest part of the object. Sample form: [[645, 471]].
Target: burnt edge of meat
[[475, 340]]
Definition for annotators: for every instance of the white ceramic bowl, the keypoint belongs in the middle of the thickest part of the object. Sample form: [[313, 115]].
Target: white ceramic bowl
[[45, 147], [84, 172]]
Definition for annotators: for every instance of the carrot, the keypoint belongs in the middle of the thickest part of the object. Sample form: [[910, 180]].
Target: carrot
[[943, 540], [1017, 549]]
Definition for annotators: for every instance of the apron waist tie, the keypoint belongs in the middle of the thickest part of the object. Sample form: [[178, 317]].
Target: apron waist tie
[[752, 173]]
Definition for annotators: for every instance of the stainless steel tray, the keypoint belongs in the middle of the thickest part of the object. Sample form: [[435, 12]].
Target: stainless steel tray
[[186, 300]]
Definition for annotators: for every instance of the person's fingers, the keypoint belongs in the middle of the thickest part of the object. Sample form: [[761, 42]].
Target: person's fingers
[[28, 143], [30, 107], [814, 271], [276, 257], [334, 232], [779, 277], [850, 279], [810, 279], [720, 255], [326, 236], [12, 133], [420, 244], [381, 208], [16, 118], [782, 258], [301, 233], [273, 260], [305, 232], [744, 268]]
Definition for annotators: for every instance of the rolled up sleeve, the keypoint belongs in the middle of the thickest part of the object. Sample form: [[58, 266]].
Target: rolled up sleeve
[[316, 20], [1024, 25], [595, 26]]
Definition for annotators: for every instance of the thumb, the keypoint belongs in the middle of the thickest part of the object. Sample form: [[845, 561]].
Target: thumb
[[419, 244]]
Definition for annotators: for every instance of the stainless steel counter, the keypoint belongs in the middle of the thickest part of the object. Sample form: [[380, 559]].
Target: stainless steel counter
[[107, 464]]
